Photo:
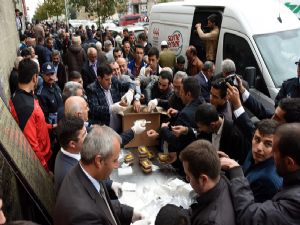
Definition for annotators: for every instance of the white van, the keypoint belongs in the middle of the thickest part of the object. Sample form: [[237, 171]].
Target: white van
[[253, 33]]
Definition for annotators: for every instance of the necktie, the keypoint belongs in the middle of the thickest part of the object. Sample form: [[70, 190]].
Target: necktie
[[102, 193]]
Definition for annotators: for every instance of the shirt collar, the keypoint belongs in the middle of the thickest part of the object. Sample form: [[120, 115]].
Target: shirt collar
[[221, 128], [72, 155], [93, 180]]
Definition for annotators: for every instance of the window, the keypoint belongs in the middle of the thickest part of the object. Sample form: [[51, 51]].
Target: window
[[238, 49]]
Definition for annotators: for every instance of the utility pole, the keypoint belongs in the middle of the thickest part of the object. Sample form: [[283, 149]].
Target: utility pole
[[66, 10]]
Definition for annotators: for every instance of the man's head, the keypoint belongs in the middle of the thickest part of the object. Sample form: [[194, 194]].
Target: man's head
[[55, 56], [190, 90], [218, 92], [123, 65], [262, 140], [71, 133], [228, 67], [26, 53], [28, 72], [76, 40], [287, 111], [76, 77], [142, 38], [286, 148], [17, 11], [177, 82], [180, 61], [201, 165], [208, 69], [72, 88], [125, 32], [48, 72], [191, 52], [131, 38], [153, 57], [92, 54], [139, 53], [100, 153], [115, 69], [117, 53], [126, 47], [49, 42], [171, 215], [163, 45], [76, 106], [207, 118], [107, 45], [212, 21], [164, 81], [104, 75]]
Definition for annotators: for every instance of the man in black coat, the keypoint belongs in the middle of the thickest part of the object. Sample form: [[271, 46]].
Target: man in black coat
[[89, 68], [284, 207], [290, 88], [83, 198], [202, 169]]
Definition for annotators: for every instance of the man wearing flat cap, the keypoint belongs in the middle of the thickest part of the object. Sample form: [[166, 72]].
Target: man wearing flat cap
[[290, 88]]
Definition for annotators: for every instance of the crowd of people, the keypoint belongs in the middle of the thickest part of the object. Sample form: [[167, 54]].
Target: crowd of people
[[69, 90]]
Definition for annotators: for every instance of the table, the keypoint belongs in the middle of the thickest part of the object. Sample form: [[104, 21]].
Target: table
[[153, 190]]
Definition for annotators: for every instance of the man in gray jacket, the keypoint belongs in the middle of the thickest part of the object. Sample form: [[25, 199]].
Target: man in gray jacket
[[284, 207]]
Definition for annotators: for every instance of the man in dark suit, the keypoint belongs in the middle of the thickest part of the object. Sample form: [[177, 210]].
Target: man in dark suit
[[89, 68], [190, 96], [60, 69], [204, 79], [82, 198], [71, 134], [232, 137], [104, 97]]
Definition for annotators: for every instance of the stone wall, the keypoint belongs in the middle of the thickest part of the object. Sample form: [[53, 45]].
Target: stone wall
[[9, 42]]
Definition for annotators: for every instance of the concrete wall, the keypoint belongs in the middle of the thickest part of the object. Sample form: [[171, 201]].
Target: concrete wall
[[9, 42]]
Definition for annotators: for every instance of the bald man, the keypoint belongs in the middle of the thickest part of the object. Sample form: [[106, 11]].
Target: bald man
[[76, 55], [76, 106], [89, 68]]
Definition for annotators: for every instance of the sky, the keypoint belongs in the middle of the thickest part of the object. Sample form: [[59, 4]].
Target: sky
[[32, 5]]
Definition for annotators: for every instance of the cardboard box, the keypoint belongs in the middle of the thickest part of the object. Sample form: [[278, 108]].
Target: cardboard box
[[141, 139]]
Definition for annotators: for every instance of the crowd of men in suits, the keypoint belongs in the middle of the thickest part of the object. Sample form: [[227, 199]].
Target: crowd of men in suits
[[68, 102]]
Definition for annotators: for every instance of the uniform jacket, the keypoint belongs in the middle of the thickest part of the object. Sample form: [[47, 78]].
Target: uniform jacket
[[78, 202], [283, 208], [28, 114], [289, 89], [50, 100], [99, 109], [263, 178], [214, 207]]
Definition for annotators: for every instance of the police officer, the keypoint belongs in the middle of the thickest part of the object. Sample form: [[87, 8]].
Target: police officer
[[290, 88], [49, 94]]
